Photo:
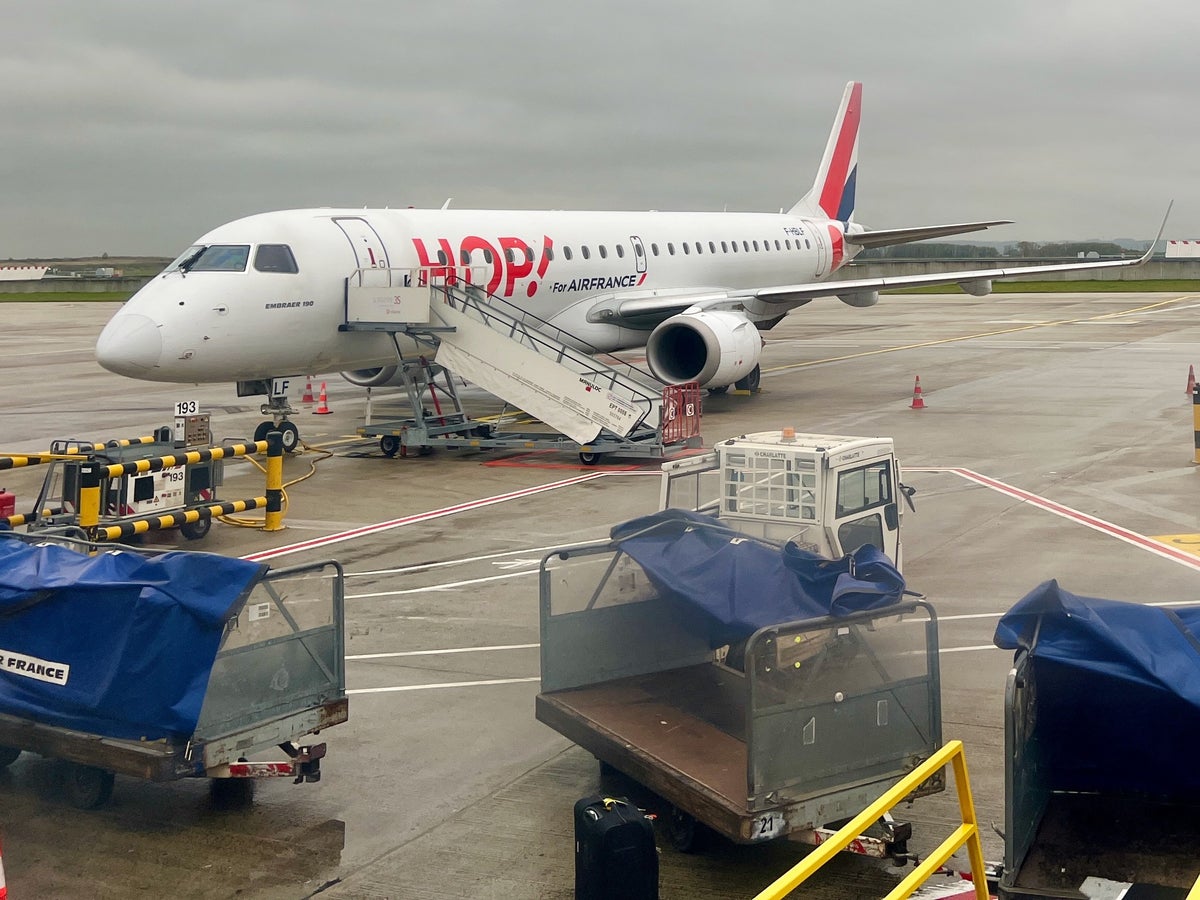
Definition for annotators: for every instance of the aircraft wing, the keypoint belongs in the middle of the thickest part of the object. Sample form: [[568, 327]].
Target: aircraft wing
[[891, 236], [649, 310]]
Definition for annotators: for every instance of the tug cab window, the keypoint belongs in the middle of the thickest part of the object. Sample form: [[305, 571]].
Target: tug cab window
[[275, 258], [213, 258]]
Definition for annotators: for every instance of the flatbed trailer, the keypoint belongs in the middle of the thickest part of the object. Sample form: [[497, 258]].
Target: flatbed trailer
[[802, 727], [278, 677]]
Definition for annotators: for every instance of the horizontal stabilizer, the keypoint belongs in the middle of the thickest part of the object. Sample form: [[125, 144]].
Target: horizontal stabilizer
[[891, 236]]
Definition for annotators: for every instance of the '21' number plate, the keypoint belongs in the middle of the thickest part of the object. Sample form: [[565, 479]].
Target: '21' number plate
[[767, 826]]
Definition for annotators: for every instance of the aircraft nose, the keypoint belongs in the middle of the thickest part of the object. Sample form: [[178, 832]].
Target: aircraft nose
[[129, 345]]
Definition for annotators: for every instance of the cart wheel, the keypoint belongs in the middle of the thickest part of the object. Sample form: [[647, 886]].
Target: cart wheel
[[231, 793], [193, 531], [720, 389], [86, 787], [684, 832], [390, 445], [589, 457], [8, 756]]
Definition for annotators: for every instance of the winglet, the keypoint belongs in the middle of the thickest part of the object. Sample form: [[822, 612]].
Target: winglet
[[832, 193], [1154, 243]]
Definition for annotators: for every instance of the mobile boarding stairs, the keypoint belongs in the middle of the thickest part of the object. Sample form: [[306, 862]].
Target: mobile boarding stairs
[[594, 406]]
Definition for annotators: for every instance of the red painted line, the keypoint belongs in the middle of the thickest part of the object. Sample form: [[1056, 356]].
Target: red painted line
[[419, 517], [1074, 515]]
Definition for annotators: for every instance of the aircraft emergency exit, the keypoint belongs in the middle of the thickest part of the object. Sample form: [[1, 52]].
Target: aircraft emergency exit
[[263, 297]]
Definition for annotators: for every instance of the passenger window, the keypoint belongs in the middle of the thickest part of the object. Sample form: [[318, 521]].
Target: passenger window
[[671, 248], [487, 256], [724, 247], [733, 244], [712, 248], [756, 246], [529, 254], [442, 257], [508, 254], [620, 251], [603, 252], [587, 254], [566, 252], [465, 257], [654, 249], [777, 247], [637, 249], [807, 245], [550, 254], [275, 258], [686, 251], [788, 243]]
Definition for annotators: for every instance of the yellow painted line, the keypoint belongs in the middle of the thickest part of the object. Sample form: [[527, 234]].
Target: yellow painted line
[[1188, 543], [982, 334]]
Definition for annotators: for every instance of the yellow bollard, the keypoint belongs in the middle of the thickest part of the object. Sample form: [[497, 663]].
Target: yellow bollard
[[1196, 422], [89, 497], [274, 516]]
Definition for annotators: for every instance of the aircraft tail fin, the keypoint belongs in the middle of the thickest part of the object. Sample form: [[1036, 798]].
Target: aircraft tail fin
[[832, 194]]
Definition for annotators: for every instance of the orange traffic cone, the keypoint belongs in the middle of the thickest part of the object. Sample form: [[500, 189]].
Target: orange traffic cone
[[1191, 388], [918, 402], [307, 400], [323, 404]]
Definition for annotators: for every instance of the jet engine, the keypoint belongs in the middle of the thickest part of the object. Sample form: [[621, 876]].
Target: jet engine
[[716, 349], [379, 376], [860, 299]]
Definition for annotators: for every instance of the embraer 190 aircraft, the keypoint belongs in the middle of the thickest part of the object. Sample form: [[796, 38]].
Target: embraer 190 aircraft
[[263, 297]]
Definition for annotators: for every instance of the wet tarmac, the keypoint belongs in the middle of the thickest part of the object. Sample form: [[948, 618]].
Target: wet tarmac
[[1056, 442]]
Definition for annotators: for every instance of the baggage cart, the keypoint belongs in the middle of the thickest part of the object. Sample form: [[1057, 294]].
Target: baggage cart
[[277, 678], [798, 727]]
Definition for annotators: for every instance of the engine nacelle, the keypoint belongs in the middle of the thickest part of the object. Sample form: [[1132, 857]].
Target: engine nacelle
[[860, 299], [979, 287], [379, 376], [713, 348]]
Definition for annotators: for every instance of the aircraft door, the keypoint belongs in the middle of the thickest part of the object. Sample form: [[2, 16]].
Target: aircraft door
[[368, 251], [865, 509], [639, 253], [812, 235]]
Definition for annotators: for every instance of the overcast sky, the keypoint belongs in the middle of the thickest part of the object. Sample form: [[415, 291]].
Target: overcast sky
[[133, 127]]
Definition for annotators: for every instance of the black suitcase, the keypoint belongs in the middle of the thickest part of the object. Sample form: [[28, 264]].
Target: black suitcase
[[615, 856]]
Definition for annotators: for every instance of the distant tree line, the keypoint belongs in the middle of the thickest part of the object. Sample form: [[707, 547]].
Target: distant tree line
[[1017, 249]]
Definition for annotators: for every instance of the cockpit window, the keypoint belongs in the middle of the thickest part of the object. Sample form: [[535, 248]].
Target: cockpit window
[[275, 258], [213, 258]]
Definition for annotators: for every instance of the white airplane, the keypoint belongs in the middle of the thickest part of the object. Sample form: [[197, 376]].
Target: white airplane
[[263, 297]]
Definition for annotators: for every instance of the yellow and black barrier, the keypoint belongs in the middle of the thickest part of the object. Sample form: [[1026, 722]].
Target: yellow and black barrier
[[31, 459], [176, 519], [72, 449], [188, 458], [92, 474]]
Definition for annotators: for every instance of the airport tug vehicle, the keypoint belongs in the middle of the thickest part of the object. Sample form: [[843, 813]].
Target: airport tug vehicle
[[749, 654]]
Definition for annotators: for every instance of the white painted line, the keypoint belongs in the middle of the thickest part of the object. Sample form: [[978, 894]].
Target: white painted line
[[448, 684], [443, 586], [442, 652], [316, 543], [421, 567], [965, 649], [1122, 534]]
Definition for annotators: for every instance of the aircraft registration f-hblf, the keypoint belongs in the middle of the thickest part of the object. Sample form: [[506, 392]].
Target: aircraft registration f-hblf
[[263, 297]]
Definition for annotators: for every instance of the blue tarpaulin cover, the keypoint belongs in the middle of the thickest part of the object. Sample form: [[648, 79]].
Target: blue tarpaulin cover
[[743, 584], [118, 644], [1117, 689]]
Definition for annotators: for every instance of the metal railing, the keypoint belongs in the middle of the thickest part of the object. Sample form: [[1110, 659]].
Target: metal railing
[[966, 834]]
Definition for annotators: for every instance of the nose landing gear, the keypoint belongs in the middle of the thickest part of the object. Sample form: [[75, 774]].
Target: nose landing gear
[[279, 409]]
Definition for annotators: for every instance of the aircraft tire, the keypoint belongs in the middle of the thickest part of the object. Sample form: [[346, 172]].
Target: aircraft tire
[[752, 381], [291, 436]]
